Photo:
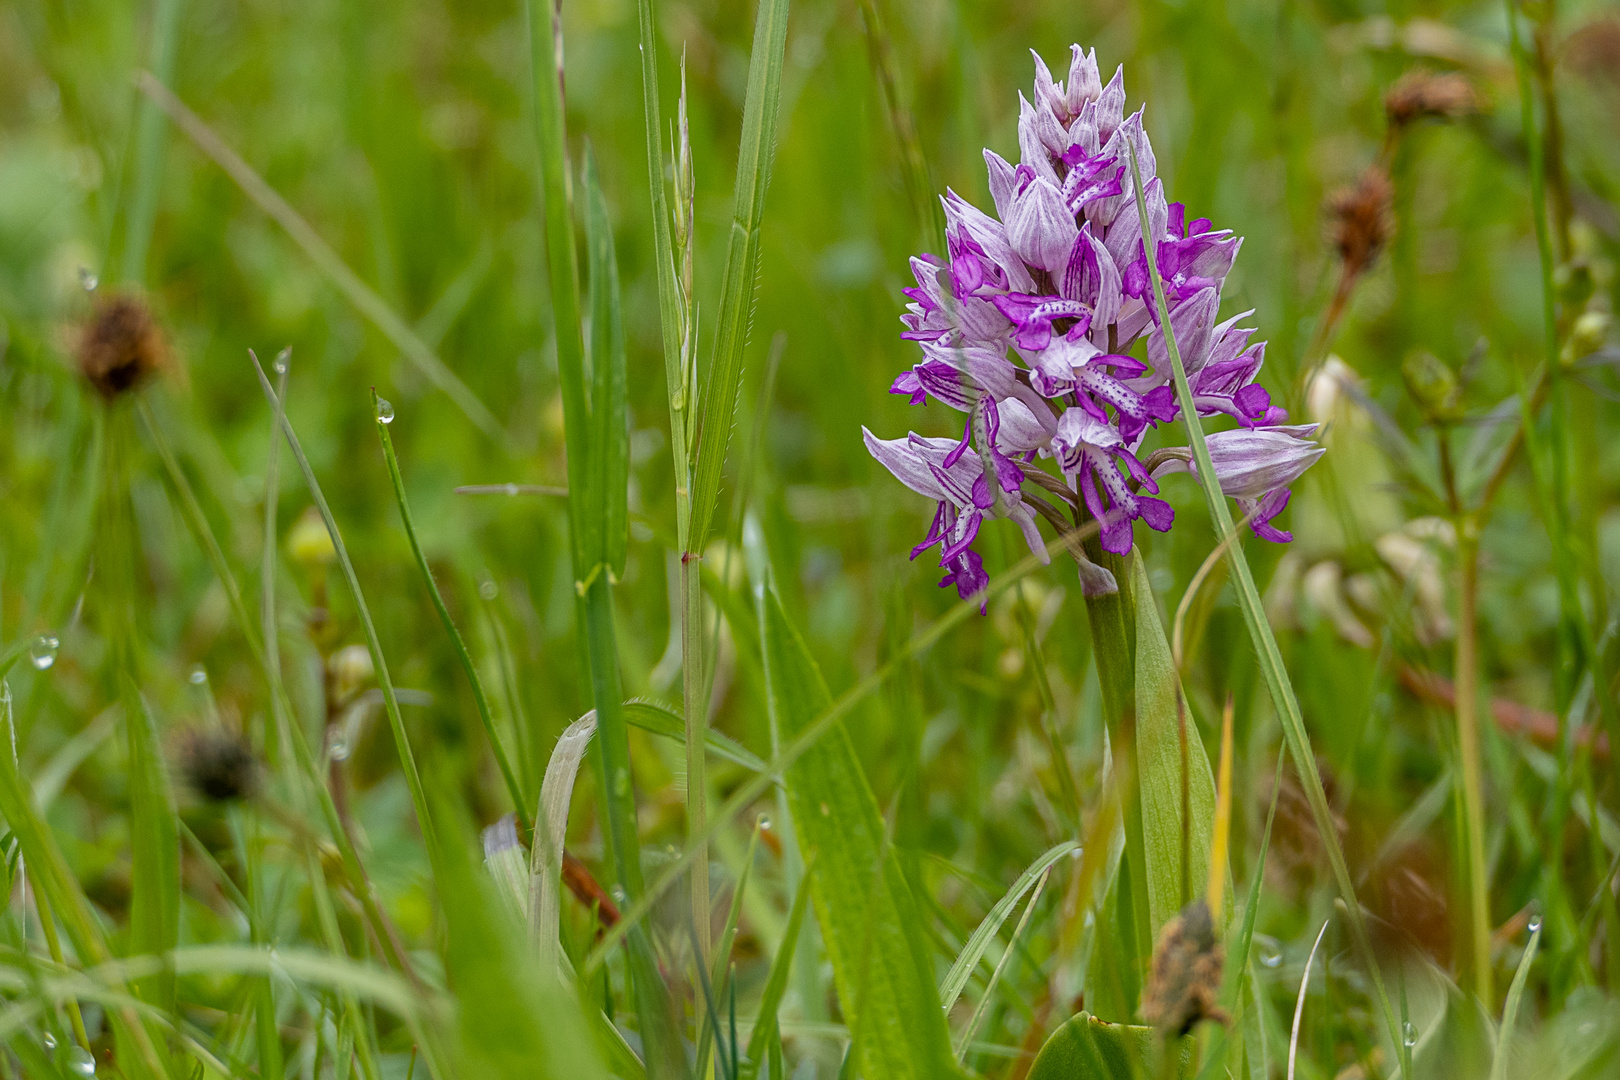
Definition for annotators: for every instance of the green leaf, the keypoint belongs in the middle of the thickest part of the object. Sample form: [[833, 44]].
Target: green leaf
[[742, 261], [154, 907], [767, 1032], [650, 716], [1160, 766], [610, 433], [1087, 1048], [870, 922]]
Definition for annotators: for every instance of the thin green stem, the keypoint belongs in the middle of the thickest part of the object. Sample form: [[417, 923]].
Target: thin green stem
[[402, 742], [1268, 654], [497, 746]]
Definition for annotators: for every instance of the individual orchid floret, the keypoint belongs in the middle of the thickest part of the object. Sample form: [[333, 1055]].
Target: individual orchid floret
[[939, 470], [1256, 466], [1087, 450]]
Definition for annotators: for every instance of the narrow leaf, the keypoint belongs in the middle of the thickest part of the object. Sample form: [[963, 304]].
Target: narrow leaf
[[962, 970], [754, 156], [610, 433]]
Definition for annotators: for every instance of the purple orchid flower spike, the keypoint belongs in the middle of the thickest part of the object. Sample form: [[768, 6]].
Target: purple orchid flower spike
[[1040, 324]]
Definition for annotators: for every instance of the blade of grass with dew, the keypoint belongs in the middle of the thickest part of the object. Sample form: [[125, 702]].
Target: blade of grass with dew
[[149, 145], [363, 298], [306, 768], [1265, 643], [1510, 1011], [480, 699], [275, 734], [956, 979], [1169, 766], [396, 723], [767, 1026], [868, 916], [754, 155], [817, 729]]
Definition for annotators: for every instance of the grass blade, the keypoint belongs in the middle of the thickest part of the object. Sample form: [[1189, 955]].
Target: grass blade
[[754, 156], [649, 716], [357, 292], [766, 1027], [1265, 643], [1510, 1011], [1001, 966], [149, 145], [402, 742], [496, 745], [1299, 1005], [551, 831], [957, 978], [610, 433]]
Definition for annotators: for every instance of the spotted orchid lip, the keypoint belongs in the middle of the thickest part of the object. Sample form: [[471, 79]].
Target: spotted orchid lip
[[1029, 324]]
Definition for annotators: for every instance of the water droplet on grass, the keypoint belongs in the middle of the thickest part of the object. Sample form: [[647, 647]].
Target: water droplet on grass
[[80, 1062], [199, 675], [488, 589], [385, 411], [764, 823], [42, 653], [511, 488], [1267, 951], [337, 747], [1534, 924], [49, 1041], [1409, 1034], [88, 279], [281, 360]]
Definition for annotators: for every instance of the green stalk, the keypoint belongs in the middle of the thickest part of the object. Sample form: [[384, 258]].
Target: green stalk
[[495, 743], [149, 133], [1265, 643]]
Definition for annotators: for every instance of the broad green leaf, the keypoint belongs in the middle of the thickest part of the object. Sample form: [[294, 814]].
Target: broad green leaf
[[870, 922], [610, 433], [1087, 1048], [1160, 765], [754, 155]]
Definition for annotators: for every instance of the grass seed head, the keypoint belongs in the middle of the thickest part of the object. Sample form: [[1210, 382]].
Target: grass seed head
[[121, 347], [1186, 981], [1419, 94], [1362, 221], [219, 766]]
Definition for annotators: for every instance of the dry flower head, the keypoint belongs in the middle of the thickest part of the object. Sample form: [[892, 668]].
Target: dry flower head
[[1186, 980], [121, 347], [1443, 95], [1362, 221]]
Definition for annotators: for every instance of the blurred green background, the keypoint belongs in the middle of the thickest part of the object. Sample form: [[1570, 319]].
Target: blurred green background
[[401, 133]]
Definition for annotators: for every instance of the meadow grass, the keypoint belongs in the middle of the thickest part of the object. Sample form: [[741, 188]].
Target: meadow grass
[[578, 313]]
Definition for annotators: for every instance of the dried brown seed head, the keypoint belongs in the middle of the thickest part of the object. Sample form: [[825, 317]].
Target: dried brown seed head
[[1417, 94], [1186, 982], [1593, 49], [1362, 222], [122, 346], [219, 765]]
